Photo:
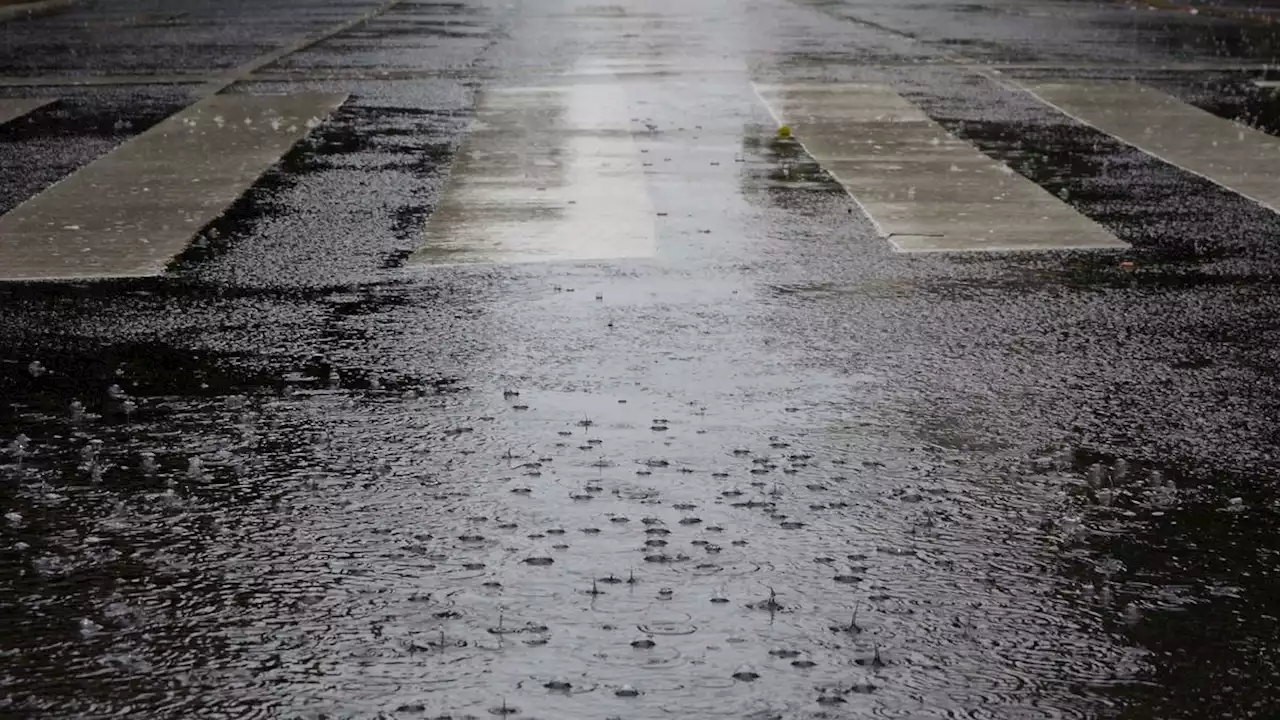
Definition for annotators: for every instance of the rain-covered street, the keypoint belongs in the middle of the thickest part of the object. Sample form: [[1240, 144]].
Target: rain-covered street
[[640, 359]]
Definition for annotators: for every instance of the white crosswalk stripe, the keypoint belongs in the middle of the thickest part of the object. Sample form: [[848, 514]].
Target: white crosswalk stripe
[[548, 173], [128, 213], [12, 109], [925, 190], [1237, 157]]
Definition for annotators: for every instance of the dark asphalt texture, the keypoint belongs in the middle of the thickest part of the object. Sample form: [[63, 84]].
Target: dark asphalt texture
[[1045, 483]]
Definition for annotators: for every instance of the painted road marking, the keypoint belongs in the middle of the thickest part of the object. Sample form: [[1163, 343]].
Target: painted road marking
[[98, 80], [548, 174], [1232, 155], [925, 190], [1267, 83], [16, 108], [222, 81], [130, 211]]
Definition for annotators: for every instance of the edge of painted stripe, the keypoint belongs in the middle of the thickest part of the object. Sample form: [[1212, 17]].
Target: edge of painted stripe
[[755, 88], [26, 107], [154, 269], [33, 9], [1161, 158], [890, 237], [1003, 248]]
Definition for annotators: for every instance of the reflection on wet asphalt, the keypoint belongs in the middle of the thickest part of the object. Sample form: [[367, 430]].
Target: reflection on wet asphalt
[[735, 459]]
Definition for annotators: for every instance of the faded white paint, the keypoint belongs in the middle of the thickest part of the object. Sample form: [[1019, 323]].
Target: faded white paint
[[130, 211], [1232, 155], [548, 173], [12, 109], [925, 190]]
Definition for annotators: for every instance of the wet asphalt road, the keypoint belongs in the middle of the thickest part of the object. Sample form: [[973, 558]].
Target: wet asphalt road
[[750, 463]]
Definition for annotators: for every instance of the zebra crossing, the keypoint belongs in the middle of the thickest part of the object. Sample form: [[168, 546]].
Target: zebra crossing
[[1239, 158], [578, 190], [128, 213], [533, 185], [926, 190]]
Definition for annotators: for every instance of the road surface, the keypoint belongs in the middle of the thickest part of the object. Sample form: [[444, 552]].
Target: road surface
[[571, 359]]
